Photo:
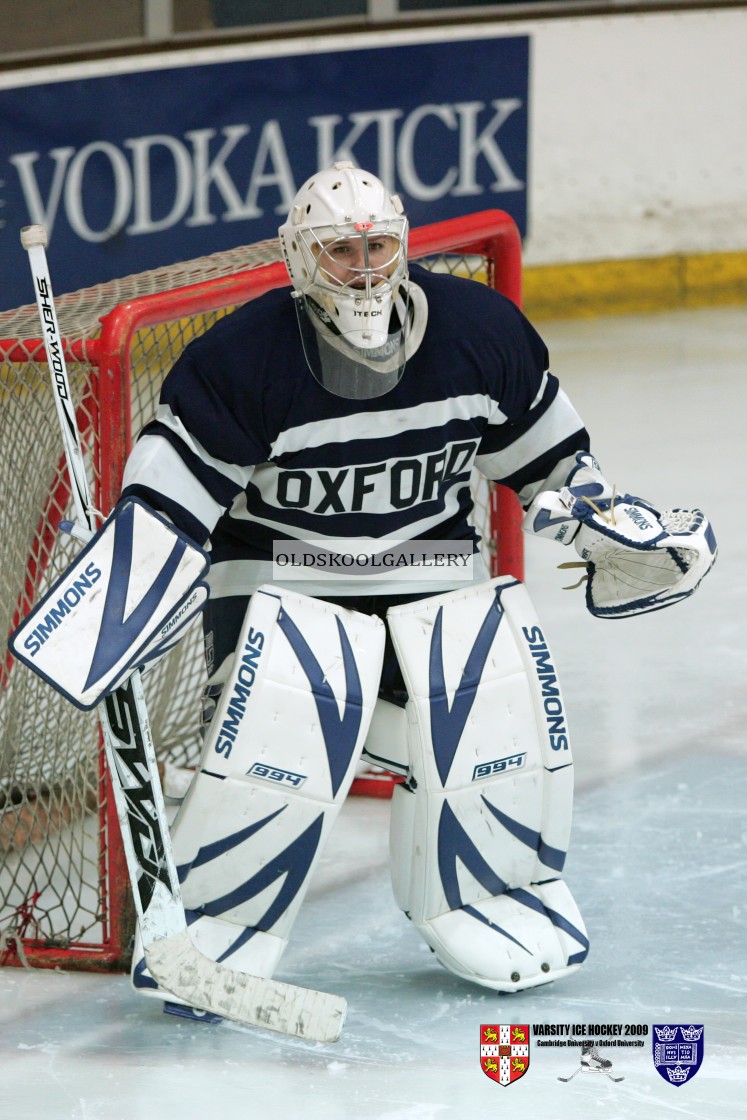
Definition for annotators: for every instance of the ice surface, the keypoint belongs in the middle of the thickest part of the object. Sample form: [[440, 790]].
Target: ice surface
[[657, 864]]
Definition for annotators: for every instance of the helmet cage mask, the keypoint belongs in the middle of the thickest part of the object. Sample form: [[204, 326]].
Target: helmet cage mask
[[345, 246], [354, 313]]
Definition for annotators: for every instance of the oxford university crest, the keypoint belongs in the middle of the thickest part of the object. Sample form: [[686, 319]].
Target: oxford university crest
[[677, 1051]]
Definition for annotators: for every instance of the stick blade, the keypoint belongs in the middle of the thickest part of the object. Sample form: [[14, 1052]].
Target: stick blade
[[180, 968]]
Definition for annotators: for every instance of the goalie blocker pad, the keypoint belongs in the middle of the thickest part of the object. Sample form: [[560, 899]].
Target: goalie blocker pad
[[479, 833], [277, 763], [129, 594]]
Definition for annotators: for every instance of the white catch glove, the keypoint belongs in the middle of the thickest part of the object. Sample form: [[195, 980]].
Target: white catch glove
[[636, 559]]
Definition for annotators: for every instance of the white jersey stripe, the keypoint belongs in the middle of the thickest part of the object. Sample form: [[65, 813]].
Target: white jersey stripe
[[372, 425], [236, 473], [540, 391], [156, 464], [560, 422]]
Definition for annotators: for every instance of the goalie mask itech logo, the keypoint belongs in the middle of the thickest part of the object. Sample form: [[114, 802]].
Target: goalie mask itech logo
[[677, 1051], [504, 1051]]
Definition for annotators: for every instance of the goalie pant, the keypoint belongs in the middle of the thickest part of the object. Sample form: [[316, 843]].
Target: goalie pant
[[480, 829]]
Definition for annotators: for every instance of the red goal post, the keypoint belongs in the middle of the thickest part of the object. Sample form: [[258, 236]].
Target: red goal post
[[64, 892]]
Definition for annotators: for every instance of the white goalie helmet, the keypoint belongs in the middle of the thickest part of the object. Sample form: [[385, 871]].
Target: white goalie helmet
[[345, 247]]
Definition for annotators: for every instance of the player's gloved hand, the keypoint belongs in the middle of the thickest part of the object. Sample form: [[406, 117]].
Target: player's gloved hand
[[636, 559], [552, 513]]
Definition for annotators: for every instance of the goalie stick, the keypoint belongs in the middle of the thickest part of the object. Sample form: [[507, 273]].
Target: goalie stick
[[172, 959]]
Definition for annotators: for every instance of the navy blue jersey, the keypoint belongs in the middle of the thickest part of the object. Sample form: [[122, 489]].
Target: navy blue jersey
[[248, 448]]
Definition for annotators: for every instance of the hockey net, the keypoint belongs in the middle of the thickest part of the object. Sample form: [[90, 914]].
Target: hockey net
[[64, 890]]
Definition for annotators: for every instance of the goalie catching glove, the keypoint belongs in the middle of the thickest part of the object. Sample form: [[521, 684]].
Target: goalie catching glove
[[637, 559]]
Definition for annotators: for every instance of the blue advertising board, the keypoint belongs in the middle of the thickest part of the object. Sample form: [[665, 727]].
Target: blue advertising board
[[147, 167]]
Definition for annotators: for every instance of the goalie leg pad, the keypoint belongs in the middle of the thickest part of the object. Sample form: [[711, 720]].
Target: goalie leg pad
[[480, 831], [276, 766]]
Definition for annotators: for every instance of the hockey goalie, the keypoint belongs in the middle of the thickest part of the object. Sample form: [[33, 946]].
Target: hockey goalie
[[352, 407]]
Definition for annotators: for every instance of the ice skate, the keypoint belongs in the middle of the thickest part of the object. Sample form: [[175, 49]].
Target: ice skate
[[593, 1062]]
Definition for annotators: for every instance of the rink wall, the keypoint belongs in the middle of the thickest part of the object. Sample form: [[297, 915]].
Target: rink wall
[[638, 175], [616, 141]]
